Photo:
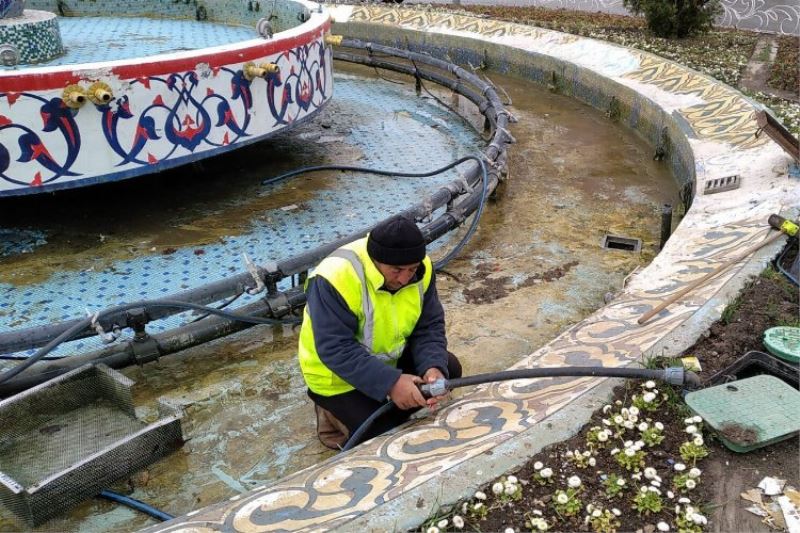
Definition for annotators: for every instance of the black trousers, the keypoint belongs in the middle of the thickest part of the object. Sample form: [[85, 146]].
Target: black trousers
[[354, 407]]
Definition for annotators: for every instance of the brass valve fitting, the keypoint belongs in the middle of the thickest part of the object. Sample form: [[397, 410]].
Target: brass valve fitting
[[100, 93], [253, 71], [73, 96], [334, 40]]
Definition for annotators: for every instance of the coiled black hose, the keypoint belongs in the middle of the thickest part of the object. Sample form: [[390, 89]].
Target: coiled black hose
[[673, 376], [135, 504]]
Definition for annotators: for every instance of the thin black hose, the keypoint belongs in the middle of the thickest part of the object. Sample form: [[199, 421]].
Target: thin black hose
[[577, 371], [86, 322], [356, 437], [368, 170], [135, 504], [223, 305], [441, 263]]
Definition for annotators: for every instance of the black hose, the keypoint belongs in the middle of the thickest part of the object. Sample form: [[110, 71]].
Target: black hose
[[357, 435], [135, 504], [86, 322], [441, 263], [674, 376], [368, 170], [576, 371]]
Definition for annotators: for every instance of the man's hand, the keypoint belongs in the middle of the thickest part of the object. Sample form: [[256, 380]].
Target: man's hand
[[405, 393], [431, 375]]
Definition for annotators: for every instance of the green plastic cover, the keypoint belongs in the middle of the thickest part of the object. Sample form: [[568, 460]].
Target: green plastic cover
[[783, 342], [749, 413]]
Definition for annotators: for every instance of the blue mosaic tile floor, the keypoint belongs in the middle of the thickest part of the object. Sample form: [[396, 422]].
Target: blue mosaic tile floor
[[90, 39], [388, 117]]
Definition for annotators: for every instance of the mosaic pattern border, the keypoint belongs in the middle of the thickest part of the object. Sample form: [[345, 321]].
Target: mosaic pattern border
[[331, 494]]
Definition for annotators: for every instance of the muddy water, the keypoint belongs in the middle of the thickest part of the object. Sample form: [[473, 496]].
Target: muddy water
[[534, 267]]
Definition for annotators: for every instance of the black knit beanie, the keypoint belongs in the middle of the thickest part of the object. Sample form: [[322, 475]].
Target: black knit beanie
[[396, 241]]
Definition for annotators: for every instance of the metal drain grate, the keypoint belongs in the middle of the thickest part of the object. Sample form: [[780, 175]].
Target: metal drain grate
[[614, 242], [727, 183]]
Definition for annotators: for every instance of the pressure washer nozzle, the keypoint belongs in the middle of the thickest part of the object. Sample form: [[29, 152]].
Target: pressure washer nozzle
[[787, 226]]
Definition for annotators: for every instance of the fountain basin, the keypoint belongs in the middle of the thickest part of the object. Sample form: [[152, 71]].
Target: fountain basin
[[74, 125]]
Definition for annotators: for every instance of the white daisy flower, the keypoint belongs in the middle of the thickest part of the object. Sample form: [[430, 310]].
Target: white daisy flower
[[546, 472], [441, 524], [679, 467], [662, 526], [458, 522], [695, 472], [562, 498], [537, 465], [480, 495], [574, 482]]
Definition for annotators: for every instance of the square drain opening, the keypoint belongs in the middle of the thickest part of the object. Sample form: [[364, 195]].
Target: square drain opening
[[722, 184], [615, 242]]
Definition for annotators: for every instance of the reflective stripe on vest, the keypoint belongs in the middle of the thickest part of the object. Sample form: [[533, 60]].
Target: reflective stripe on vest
[[366, 305]]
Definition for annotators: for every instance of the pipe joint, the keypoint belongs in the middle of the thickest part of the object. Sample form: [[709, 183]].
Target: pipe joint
[[675, 375]]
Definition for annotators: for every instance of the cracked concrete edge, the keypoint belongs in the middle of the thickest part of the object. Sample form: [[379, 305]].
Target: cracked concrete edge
[[414, 507]]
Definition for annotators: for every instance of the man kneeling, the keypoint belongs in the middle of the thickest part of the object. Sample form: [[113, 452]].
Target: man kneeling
[[373, 328]]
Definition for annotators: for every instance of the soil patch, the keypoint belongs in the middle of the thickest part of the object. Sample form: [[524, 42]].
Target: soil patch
[[769, 300], [785, 71], [491, 288]]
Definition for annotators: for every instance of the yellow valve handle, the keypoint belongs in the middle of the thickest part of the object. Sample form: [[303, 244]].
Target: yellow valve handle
[[789, 228]]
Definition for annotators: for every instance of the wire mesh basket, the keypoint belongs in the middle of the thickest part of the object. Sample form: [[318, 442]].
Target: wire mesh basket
[[65, 440]]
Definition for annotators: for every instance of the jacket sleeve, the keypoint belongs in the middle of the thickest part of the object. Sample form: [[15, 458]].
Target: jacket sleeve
[[335, 327], [428, 342]]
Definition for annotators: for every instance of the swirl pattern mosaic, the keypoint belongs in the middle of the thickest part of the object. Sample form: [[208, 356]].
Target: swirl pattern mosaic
[[345, 487]]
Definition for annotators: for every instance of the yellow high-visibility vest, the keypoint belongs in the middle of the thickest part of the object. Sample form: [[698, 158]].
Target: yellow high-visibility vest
[[385, 320]]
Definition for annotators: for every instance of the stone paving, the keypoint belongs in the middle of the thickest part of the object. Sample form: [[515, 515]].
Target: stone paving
[[707, 131]]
